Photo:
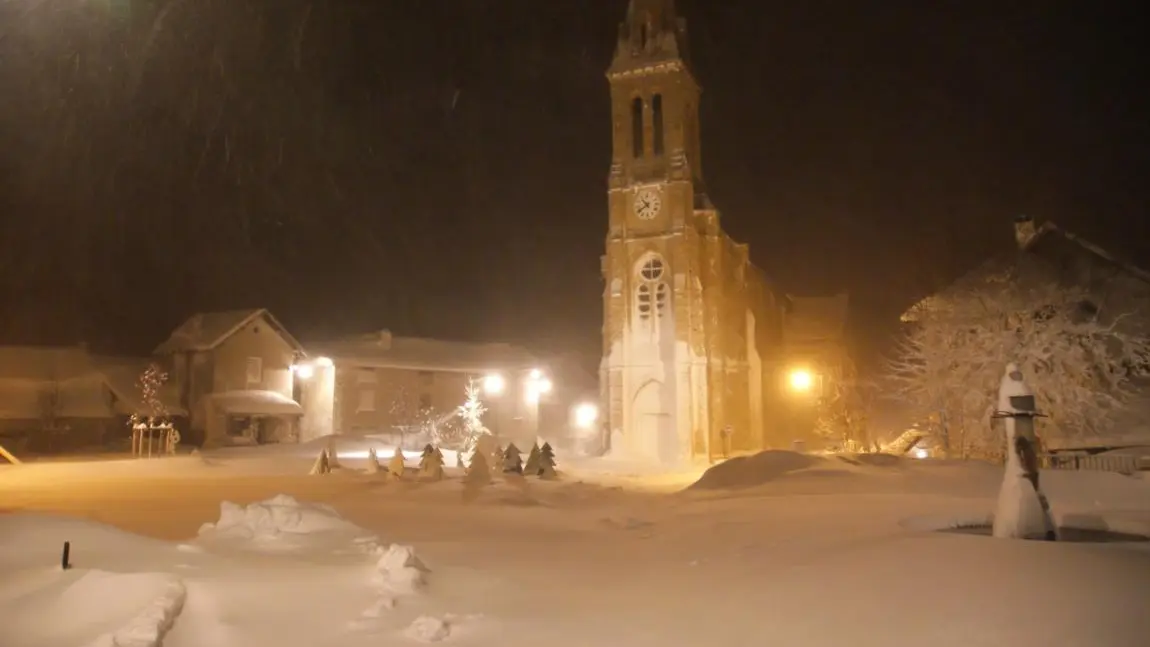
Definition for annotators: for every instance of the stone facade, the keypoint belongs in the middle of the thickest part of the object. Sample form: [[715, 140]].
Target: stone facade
[[692, 331]]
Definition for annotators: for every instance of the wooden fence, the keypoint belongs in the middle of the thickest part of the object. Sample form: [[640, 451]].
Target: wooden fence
[[1123, 464]]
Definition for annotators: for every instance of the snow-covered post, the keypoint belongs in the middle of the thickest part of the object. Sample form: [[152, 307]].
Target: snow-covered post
[[1022, 511]]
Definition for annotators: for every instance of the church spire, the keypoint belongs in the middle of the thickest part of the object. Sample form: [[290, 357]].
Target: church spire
[[652, 32]]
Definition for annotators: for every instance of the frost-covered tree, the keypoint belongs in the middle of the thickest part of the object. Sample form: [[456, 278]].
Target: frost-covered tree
[[512, 460], [478, 471], [532, 464], [1080, 358], [546, 462], [395, 466], [431, 463], [842, 414]]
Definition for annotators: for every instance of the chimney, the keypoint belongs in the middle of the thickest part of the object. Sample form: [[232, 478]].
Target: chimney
[[1024, 231]]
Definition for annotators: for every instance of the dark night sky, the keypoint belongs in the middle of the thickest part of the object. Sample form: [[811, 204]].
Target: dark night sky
[[438, 167]]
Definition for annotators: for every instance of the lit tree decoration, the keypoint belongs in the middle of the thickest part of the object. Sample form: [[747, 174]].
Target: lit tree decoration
[[155, 414], [471, 413]]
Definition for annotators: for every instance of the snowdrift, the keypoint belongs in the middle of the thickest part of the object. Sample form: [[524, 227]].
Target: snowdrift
[[751, 471], [281, 523]]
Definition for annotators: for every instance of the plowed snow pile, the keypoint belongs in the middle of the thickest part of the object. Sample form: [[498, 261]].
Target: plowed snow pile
[[281, 523]]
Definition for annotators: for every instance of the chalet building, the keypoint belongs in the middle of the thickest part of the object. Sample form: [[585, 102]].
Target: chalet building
[[55, 399], [381, 383], [233, 373]]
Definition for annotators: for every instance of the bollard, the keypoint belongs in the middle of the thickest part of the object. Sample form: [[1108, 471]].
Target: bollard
[[64, 563]]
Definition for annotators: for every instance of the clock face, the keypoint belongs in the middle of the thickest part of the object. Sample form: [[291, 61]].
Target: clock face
[[647, 204]]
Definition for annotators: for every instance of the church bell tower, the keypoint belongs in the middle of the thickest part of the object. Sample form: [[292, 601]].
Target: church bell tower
[[653, 377]]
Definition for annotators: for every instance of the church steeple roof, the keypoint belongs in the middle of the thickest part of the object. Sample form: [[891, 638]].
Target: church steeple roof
[[652, 33]]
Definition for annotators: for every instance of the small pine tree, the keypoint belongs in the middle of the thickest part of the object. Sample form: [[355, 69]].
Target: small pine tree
[[546, 462], [322, 464], [531, 467], [512, 460], [478, 472], [431, 463], [395, 466], [372, 462]]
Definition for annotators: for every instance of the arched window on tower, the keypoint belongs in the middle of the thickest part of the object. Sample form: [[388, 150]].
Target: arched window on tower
[[651, 293], [657, 123], [637, 127]]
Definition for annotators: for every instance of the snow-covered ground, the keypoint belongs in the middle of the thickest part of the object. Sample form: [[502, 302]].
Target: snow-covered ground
[[777, 549]]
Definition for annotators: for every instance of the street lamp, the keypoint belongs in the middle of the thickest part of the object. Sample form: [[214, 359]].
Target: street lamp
[[585, 415], [535, 386], [303, 371], [494, 384], [801, 380]]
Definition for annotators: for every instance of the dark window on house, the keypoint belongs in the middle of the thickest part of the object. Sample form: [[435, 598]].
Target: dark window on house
[[657, 123], [637, 127]]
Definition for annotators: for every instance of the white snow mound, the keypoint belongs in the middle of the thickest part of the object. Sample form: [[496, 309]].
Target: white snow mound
[[399, 571], [148, 628], [279, 522], [428, 629]]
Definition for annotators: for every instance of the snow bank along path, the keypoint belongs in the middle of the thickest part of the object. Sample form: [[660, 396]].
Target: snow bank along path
[[111, 606]]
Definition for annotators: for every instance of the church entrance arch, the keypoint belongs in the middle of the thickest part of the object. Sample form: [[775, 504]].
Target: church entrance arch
[[653, 424]]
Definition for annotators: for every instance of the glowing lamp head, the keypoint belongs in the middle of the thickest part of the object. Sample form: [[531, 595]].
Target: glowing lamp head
[[921, 453], [585, 415], [324, 362], [304, 371], [494, 384], [801, 380], [535, 374], [545, 385]]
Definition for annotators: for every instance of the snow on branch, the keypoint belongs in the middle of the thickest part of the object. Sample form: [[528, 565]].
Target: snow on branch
[[1081, 360]]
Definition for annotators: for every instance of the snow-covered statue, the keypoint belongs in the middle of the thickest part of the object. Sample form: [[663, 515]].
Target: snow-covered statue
[[1022, 512]]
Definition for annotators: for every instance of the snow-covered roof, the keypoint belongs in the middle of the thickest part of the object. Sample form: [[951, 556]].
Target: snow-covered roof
[[813, 319], [207, 330], [385, 351], [44, 363], [1038, 242], [254, 403]]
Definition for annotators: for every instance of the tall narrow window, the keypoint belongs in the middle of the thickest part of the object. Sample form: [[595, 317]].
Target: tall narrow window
[[637, 127], [657, 123], [652, 292]]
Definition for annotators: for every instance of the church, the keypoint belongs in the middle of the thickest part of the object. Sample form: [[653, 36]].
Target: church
[[695, 337]]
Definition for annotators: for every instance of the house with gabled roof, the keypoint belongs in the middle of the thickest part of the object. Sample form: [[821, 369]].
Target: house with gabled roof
[[233, 371]]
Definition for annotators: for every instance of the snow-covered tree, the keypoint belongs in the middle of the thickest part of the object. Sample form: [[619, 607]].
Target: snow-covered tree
[[478, 471], [532, 464], [372, 462], [1080, 358], [395, 466], [546, 462], [842, 413], [431, 463], [512, 460]]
